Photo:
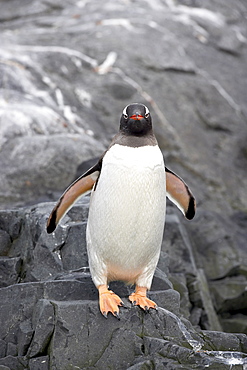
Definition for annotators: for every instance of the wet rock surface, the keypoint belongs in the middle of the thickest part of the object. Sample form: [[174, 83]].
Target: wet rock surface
[[67, 69]]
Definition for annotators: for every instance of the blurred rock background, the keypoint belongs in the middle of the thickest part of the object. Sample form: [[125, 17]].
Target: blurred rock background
[[67, 69]]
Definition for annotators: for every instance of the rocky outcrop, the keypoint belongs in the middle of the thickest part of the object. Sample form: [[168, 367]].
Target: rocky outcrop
[[67, 70], [49, 305]]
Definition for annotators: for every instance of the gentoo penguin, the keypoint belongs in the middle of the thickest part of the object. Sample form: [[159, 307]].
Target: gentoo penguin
[[128, 185]]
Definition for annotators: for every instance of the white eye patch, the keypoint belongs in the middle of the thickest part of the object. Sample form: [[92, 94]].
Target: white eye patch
[[125, 110], [146, 110]]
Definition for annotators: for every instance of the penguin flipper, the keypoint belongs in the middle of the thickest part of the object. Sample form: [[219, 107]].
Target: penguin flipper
[[180, 194], [80, 187]]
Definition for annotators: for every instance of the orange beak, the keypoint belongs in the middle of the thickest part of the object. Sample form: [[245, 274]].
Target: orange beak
[[136, 117]]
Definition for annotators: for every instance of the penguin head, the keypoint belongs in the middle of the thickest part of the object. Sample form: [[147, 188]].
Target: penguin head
[[136, 120]]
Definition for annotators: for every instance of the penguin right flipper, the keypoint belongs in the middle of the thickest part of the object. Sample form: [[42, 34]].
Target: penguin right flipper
[[80, 187], [180, 194]]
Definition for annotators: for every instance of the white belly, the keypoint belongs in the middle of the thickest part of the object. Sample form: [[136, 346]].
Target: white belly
[[127, 214]]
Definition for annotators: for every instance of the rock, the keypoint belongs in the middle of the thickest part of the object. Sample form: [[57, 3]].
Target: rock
[[169, 299], [13, 363], [3, 347], [5, 243], [59, 110], [39, 363], [179, 283], [211, 320], [10, 269], [43, 324], [160, 280], [11, 349], [229, 293], [57, 151], [51, 310], [232, 41], [24, 337], [53, 317], [74, 251], [222, 341], [234, 323], [142, 365], [2, 367], [129, 327], [177, 245], [11, 223], [216, 249]]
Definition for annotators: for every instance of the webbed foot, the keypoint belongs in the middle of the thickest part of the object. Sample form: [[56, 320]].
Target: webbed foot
[[109, 301], [139, 298]]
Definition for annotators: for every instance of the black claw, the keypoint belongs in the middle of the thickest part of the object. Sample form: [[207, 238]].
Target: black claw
[[104, 314], [146, 309], [117, 315], [123, 305], [134, 303]]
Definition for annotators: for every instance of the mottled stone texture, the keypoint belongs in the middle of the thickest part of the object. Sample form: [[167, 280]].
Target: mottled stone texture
[[67, 69], [50, 317]]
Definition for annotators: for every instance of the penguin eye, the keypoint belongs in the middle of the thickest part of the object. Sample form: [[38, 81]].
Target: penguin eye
[[147, 114], [125, 115]]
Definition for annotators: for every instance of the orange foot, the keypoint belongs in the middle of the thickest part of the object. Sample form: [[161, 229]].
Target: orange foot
[[108, 301], [139, 298]]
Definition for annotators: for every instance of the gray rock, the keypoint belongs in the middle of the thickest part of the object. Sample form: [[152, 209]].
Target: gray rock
[[11, 349], [174, 355], [234, 323], [216, 252], [168, 299], [120, 359], [73, 292], [218, 341], [65, 100], [88, 322], [3, 347], [13, 363], [142, 365], [43, 326], [229, 293], [24, 337], [179, 283], [74, 251], [160, 280], [5, 243], [11, 223], [232, 41], [3, 367], [10, 269], [177, 245], [39, 363]]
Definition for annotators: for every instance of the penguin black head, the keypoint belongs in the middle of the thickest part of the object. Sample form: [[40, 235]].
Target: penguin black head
[[136, 120]]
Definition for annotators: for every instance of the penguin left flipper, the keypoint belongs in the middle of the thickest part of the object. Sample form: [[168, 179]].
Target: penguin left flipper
[[80, 187], [180, 194]]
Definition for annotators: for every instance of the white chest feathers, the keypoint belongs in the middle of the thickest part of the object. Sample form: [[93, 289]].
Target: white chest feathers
[[127, 212]]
